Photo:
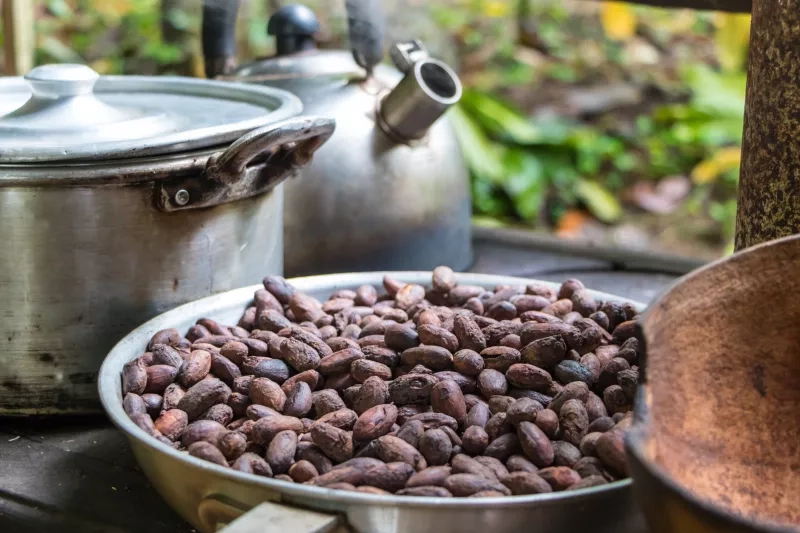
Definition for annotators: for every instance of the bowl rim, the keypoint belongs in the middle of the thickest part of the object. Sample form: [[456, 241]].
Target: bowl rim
[[130, 347], [636, 437]]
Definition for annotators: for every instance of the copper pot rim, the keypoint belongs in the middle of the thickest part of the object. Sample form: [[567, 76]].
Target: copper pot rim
[[638, 435]]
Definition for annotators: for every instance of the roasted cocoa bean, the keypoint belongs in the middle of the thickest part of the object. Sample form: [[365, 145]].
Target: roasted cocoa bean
[[500, 358], [392, 449], [375, 422], [298, 402]]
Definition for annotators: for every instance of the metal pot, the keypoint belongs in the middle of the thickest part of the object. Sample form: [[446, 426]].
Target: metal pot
[[714, 444], [391, 189], [208, 495], [121, 197]]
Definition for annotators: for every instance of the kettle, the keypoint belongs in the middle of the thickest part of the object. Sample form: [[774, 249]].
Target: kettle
[[390, 189]]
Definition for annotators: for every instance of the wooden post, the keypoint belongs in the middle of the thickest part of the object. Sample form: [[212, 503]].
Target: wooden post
[[769, 185], [20, 38]]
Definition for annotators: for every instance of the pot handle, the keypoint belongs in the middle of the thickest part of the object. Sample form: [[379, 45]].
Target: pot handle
[[254, 164], [218, 513]]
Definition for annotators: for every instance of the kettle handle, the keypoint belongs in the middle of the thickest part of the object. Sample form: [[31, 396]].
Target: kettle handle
[[365, 20], [219, 36], [365, 23]]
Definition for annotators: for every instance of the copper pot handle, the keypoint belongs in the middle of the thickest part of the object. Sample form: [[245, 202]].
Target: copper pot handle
[[254, 164]]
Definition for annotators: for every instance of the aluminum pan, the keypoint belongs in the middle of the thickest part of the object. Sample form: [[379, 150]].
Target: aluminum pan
[[227, 308]]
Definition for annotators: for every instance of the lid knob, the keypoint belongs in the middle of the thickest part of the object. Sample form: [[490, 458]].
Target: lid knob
[[293, 27], [61, 81]]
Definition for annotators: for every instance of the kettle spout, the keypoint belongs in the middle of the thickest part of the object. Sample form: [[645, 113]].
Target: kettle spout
[[427, 91]]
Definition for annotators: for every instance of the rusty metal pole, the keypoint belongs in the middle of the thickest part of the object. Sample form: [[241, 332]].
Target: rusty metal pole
[[769, 185]]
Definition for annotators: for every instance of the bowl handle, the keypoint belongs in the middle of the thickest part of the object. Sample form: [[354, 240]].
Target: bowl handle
[[219, 513]]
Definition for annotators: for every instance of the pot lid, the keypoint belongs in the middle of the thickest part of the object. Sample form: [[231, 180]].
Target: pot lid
[[70, 113]]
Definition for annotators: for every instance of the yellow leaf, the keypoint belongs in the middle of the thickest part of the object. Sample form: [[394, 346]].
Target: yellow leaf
[[618, 20], [112, 9], [723, 160], [496, 8], [732, 39]]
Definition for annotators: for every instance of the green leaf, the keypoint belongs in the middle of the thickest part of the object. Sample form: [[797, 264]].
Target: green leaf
[[715, 93], [599, 200], [525, 183], [484, 158], [504, 121], [60, 8]]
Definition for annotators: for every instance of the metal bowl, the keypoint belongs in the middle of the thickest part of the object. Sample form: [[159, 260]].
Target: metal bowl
[[715, 445], [208, 495]]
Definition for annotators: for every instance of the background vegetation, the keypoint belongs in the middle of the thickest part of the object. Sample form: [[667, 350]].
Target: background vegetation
[[598, 121]]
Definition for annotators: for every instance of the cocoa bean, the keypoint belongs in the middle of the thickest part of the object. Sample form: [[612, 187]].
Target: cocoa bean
[[164, 354], [535, 444], [573, 421], [232, 445], [393, 449], [468, 484], [610, 448], [435, 447], [447, 398], [220, 412], [411, 432], [523, 410], [208, 431], [326, 401], [433, 357], [133, 404], [363, 369], [519, 463], [411, 388], [375, 422], [521, 483], [468, 362], [264, 391], [266, 428], [500, 358], [374, 391], [298, 401], [342, 419], [499, 404], [547, 421], [336, 443], [545, 352], [559, 477], [428, 491], [200, 397], [281, 451], [503, 447], [491, 382], [479, 416], [207, 452]]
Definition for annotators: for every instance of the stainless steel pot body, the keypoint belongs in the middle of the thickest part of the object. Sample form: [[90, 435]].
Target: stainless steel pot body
[[369, 201], [90, 251], [209, 496]]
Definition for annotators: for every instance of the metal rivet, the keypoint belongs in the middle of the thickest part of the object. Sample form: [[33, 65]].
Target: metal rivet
[[182, 197]]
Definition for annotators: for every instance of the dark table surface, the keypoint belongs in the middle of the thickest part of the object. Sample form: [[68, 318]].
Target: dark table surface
[[78, 473]]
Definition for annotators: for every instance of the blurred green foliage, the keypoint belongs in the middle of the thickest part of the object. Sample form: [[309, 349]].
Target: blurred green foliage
[[524, 63]]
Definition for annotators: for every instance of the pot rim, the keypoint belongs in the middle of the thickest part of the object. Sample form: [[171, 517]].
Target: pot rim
[[636, 437], [110, 396]]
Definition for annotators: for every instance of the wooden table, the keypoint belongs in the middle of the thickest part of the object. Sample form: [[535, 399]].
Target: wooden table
[[77, 474]]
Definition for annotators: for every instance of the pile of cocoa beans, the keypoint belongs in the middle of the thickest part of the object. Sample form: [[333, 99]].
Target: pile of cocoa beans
[[449, 390]]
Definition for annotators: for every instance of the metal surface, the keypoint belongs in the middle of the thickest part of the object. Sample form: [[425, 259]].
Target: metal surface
[[370, 201], [714, 446], [81, 265], [425, 93], [622, 258], [208, 495], [287, 147], [69, 113], [769, 189]]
